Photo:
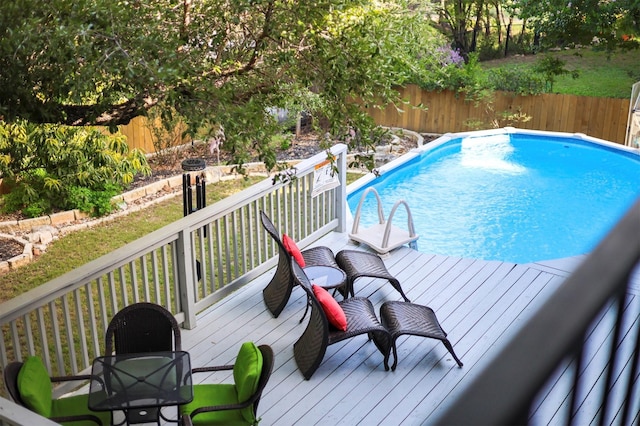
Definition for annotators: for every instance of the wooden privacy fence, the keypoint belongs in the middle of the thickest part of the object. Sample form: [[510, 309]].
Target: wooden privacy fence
[[444, 112], [138, 134]]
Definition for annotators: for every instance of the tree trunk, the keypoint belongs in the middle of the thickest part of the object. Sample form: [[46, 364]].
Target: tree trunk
[[506, 40]]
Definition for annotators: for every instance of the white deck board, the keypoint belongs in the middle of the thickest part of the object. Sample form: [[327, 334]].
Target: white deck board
[[480, 304]]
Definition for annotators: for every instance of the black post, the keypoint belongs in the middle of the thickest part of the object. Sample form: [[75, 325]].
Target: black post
[[186, 184]]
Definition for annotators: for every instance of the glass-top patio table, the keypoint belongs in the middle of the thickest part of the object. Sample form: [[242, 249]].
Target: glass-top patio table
[[140, 384]]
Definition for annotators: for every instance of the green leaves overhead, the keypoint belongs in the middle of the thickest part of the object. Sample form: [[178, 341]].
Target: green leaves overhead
[[220, 62]]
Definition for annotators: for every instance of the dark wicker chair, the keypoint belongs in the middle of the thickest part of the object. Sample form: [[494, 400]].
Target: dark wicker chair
[[310, 348], [142, 327], [69, 410], [223, 398], [277, 293], [358, 264]]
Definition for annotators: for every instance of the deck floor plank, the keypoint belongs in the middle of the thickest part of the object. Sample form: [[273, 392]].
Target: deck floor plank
[[480, 304]]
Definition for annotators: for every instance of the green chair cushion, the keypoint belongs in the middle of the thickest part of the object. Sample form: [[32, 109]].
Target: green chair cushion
[[246, 374], [211, 395], [78, 405], [34, 386]]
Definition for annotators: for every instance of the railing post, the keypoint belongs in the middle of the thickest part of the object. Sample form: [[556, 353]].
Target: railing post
[[186, 278], [341, 191]]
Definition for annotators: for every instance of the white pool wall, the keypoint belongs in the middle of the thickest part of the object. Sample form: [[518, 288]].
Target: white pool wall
[[418, 151]]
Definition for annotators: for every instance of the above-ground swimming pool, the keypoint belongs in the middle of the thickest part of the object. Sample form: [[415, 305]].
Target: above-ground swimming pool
[[508, 195]]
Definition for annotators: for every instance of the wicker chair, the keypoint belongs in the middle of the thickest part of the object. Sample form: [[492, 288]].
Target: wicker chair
[[142, 327], [277, 293], [310, 348], [363, 264], [34, 392]]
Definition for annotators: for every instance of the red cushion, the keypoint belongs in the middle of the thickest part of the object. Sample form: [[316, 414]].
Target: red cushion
[[331, 308], [293, 249]]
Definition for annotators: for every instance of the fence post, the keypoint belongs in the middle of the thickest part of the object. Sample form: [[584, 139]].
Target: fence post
[[341, 191], [186, 268]]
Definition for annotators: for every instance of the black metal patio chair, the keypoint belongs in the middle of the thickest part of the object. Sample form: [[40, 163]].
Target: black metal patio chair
[[142, 327], [139, 328]]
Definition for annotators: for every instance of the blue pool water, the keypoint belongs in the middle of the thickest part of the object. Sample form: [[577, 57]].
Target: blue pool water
[[510, 197]]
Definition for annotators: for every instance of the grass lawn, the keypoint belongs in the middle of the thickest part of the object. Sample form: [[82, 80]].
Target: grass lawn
[[600, 75], [77, 248]]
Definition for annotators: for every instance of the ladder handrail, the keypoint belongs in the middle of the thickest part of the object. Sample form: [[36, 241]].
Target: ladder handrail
[[356, 221], [387, 230], [381, 219]]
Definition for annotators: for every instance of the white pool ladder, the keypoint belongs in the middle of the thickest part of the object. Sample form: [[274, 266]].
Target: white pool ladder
[[384, 236]]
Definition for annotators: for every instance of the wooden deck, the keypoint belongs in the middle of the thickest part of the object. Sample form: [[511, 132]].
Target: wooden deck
[[478, 303]]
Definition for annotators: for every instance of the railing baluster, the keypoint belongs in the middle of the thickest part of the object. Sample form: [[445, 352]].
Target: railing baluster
[[112, 292], [220, 245], [81, 330], [123, 287], [144, 271], [42, 330], [55, 327], [3, 348], [200, 235], [15, 340], [69, 334], [242, 234], [156, 277], [167, 273], [211, 267], [134, 280], [93, 326], [632, 378], [610, 367], [27, 325]]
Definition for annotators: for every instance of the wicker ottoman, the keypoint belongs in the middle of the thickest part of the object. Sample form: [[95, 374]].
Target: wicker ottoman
[[410, 318], [358, 264]]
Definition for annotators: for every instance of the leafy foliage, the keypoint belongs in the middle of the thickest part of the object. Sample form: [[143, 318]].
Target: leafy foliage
[[60, 167], [516, 79], [210, 64], [551, 68], [585, 22]]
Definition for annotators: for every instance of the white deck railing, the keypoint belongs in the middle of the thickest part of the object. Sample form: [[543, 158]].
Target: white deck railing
[[185, 266]]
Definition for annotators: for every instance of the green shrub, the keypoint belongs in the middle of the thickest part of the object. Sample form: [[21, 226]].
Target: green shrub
[[490, 49], [53, 167], [551, 67], [516, 79], [96, 202]]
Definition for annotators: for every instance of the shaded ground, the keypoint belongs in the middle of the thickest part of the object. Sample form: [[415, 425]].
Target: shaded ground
[[303, 146]]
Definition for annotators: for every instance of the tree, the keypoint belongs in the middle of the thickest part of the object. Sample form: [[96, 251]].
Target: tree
[[586, 22], [214, 63]]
